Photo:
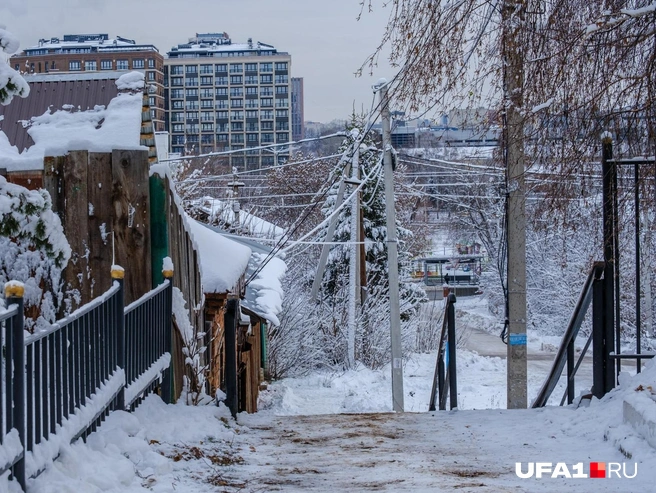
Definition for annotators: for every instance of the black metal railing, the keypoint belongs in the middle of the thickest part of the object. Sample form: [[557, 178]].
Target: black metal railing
[[12, 388], [445, 377], [103, 357]]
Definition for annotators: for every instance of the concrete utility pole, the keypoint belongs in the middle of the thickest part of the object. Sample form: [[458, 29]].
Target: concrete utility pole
[[513, 81], [330, 233], [392, 253], [236, 206], [354, 270]]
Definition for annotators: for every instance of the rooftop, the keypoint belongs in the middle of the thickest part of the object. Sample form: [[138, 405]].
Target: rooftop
[[85, 43], [219, 45]]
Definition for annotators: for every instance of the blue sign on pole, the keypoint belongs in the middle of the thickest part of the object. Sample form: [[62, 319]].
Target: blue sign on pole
[[517, 340]]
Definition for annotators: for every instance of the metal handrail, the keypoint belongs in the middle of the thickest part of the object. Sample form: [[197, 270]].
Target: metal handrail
[[444, 381], [568, 338]]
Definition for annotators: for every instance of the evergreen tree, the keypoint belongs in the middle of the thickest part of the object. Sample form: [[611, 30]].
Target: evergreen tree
[[371, 345]]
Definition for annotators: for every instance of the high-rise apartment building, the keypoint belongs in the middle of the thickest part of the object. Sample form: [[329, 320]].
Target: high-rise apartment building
[[98, 53], [229, 96], [298, 124]]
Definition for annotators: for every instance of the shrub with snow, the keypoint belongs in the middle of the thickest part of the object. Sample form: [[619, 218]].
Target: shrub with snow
[[33, 250], [11, 82]]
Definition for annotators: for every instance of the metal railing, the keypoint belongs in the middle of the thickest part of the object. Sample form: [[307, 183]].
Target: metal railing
[[102, 357], [12, 389], [445, 377]]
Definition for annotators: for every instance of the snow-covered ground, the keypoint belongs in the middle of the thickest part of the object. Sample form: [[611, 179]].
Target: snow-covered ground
[[306, 437]]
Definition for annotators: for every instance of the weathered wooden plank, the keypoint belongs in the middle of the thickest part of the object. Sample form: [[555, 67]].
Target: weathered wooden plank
[[158, 222], [53, 182], [99, 186], [32, 180], [131, 221], [76, 223]]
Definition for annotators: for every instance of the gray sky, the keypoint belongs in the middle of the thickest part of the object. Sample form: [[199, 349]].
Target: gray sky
[[325, 40]]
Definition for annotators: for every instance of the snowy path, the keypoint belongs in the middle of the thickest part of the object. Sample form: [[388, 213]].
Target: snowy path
[[460, 451]]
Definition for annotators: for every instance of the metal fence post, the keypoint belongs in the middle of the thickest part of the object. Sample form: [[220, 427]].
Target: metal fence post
[[14, 295], [118, 275], [598, 329], [570, 371], [230, 322], [167, 381], [451, 320]]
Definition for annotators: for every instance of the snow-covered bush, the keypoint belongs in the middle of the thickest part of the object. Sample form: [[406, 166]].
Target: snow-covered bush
[[33, 250], [11, 82]]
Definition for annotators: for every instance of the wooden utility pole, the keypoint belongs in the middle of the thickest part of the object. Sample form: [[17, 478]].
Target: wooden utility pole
[[513, 82], [392, 254]]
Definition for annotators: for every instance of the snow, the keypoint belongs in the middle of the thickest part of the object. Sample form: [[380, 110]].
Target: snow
[[118, 126], [44, 453], [167, 264], [131, 81], [136, 388], [11, 447], [543, 105], [222, 261], [251, 225], [268, 288]]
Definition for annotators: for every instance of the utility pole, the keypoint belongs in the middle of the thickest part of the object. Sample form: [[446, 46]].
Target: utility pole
[[330, 233], [513, 83], [392, 253], [236, 207], [354, 271]]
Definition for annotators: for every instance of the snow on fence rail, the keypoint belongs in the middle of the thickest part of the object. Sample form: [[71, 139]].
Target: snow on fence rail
[[101, 358]]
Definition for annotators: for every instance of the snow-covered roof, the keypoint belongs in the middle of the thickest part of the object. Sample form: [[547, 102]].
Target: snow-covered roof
[[264, 293], [79, 43], [253, 226], [219, 44], [222, 261], [99, 129]]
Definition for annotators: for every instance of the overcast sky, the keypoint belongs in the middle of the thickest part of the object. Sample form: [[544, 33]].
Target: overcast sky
[[326, 41]]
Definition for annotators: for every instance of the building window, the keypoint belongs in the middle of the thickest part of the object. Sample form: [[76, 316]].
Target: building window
[[151, 75], [207, 127], [191, 127], [237, 126], [267, 126], [177, 117], [266, 79], [222, 137], [151, 101], [282, 113], [266, 102], [252, 127], [251, 67], [178, 127], [191, 115], [237, 138], [74, 66], [191, 81], [177, 105], [191, 69], [251, 113], [207, 103], [121, 64], [176, 70], [176, 81], [281, 65], [191, 92], [220, 81], [281, 89], [138, 63], [267, 114], [176, 93], [207, 116], [251, 90], [250, 79], [266, 138], [266, 67], [282, 79], [236, 68], [206, 81], [89, 65], [221, 103], [151, 63], [266, 91], [207, 93], [236, 79], [236, 115], [282, 137], [221, 127], [191, 105], [221, 91], [251, 103], [236, 103], [281, 103], [221, 67], [251, 138], [206, 69]]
